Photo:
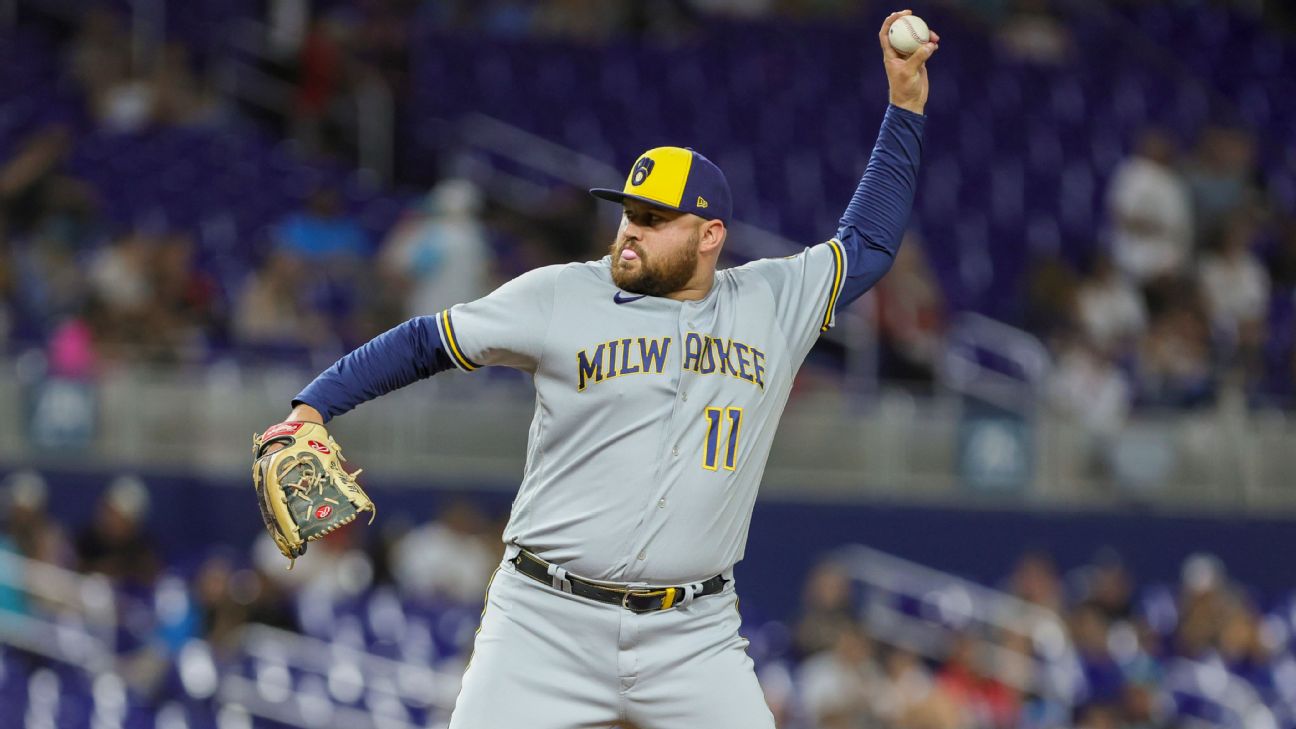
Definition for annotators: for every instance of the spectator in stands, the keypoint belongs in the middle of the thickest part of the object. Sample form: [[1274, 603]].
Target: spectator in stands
[[1089, 631], [438, 254], [984, 701], [23, 510], [1242, 646], [227, 598], [335, 244], [323, 232], [116, 543], [37, 195], [334, 569], [101, 46], [272, 309], [907, 698], [1106, 585], [1050, 298], [183, 308], [1087, 387], [1174, 363], [1150, 211], [1097, 716], [589, 21], [101, 64], [119, 281], [840, 686], [73, 349], [1033, 32], [911, 316], [1202, 604], [28, 530], [1110, 309], [826, 605], [1141, 706], [450, 557], [179, 98], [323, 81], [1235, 287], [220, 615], [1035, 579], [46, 219], [778, 683], [1221, 177]]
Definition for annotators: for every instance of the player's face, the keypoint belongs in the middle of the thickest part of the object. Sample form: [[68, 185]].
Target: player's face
[[655, 251]]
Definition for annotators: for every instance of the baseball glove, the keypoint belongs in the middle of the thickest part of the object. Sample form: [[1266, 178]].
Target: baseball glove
[[303, 490]]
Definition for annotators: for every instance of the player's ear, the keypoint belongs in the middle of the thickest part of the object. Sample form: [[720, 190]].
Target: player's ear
[[712, 236]]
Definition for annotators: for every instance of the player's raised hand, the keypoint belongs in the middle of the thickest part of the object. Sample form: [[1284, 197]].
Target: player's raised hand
[[906, 75]]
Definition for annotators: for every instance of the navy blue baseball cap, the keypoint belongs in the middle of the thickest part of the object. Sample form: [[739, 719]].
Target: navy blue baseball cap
[[678, 179]]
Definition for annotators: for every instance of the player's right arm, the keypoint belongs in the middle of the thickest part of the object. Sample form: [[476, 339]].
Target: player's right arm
[[811, 287], [506, 327]]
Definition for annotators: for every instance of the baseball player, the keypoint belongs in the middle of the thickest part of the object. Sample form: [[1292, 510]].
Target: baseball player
[[659, 384]]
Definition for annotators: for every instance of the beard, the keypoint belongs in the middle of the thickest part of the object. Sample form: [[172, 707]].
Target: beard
[[658, 275]]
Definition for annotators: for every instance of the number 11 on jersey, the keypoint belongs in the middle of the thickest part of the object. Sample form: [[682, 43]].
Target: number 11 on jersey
[[716, 419]]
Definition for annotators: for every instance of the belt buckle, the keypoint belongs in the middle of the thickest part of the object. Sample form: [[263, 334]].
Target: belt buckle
[[625, 599]]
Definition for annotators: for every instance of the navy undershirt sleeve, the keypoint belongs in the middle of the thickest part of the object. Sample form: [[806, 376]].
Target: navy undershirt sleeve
[[875, 220], [401, 355]]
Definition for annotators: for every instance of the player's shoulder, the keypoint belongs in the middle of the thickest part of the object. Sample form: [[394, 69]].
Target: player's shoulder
[[596, 273], [792, 264], [567, 273]]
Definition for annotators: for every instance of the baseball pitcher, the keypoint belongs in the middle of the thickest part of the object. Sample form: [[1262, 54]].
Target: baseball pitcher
[[659, 384]]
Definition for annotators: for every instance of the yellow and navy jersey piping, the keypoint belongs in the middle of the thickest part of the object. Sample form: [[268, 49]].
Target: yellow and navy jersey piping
[[446, 324], [839, 277]]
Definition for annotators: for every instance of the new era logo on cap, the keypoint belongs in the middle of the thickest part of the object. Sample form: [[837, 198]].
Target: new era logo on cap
[[677, 178]]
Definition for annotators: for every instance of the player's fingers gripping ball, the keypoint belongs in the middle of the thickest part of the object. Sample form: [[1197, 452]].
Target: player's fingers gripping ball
[[907, 34], [302, 489]]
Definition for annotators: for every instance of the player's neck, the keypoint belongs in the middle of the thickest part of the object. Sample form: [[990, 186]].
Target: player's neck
[[697, 288]]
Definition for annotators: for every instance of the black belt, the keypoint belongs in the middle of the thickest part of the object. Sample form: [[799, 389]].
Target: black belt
[[634, 599]]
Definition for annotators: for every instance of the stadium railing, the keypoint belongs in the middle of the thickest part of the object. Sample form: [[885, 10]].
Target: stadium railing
[[56, 613], [922, 610], [830, 444]]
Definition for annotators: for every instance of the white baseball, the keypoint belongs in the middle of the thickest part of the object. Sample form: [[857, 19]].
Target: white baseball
[[907, 33]]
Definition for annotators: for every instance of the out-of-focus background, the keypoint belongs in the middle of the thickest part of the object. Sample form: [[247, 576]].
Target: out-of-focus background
[[1044, 475]]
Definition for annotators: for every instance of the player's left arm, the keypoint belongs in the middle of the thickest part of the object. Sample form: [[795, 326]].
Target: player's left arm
[[874, 222]]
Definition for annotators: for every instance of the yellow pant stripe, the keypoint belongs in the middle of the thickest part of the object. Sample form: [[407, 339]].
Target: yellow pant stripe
[[482, 619]]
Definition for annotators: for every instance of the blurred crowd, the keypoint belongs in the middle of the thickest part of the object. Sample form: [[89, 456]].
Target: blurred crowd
[[92, 292], [92, 289], [831, 667], [1127, 639], [1192, 292], [165, 601], [1187, 299]]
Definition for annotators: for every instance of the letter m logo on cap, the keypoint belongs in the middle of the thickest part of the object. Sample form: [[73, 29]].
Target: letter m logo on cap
[[641, 171]]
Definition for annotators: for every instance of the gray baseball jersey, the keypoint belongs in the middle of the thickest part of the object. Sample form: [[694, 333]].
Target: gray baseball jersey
[[653, 417]]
